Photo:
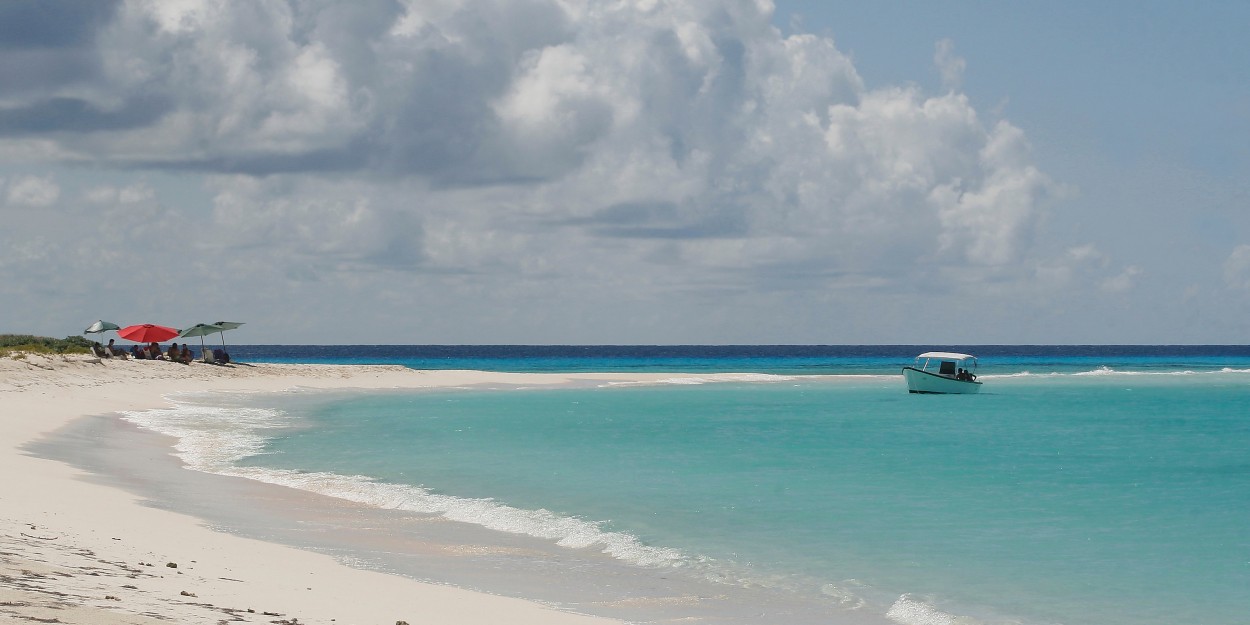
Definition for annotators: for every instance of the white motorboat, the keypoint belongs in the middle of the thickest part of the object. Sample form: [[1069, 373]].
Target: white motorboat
[[942, 372]]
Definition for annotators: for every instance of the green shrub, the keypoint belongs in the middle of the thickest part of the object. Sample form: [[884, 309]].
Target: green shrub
[[10, 343]]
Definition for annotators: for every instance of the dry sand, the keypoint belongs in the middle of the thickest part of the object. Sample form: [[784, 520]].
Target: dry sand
[[72, 551]]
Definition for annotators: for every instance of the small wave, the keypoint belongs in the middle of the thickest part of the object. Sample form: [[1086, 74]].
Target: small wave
[[1106, 371], [1103, 370], [708, 379], [752, 377], [1030, 374], [1021, 374], [1109, 371], [909, 611], [565, 531], [208, 437], [213, 439]]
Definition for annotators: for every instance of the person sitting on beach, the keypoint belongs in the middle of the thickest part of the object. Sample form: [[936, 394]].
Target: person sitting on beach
[[97, 350], [136, 353], [154, 351], [174, 354], [221, 356], [184, 356], [113, 350]]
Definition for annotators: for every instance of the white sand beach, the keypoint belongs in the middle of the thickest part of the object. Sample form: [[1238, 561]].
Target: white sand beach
[[74, 551]]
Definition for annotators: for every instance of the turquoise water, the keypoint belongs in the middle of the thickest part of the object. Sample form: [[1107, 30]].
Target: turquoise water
[[1095, 496]]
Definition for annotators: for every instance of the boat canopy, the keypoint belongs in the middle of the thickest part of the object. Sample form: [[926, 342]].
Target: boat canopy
[[946, 356]]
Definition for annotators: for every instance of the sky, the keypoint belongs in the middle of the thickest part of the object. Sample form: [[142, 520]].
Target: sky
[[629, 171]]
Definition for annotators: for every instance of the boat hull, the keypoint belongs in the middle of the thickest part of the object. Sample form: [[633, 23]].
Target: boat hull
[[931, 383]]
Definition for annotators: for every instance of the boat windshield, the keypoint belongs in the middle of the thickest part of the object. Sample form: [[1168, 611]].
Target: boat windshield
[[947, 363]]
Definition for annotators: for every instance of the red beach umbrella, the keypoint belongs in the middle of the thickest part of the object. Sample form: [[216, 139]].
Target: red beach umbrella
[[147, 333]]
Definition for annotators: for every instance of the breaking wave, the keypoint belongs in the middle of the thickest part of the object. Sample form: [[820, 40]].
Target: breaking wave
[[1107, 371]]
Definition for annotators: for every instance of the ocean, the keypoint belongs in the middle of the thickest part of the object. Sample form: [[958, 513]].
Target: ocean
[[1085, 485]]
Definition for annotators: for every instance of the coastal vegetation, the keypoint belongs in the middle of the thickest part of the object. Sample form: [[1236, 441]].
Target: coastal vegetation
[[11, 344]]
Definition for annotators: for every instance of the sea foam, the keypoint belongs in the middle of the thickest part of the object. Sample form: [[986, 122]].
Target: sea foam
[[909, 611], [214, 439]]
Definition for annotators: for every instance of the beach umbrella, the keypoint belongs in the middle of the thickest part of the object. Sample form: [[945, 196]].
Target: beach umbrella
[[101, 326], [200, 330], [226, 325], [147, 333]]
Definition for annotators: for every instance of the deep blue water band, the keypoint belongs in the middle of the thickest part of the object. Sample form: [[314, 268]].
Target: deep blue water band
[[784, 359]]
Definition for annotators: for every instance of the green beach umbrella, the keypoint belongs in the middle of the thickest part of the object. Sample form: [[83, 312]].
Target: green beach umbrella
[[226, 325], [100, 327], [200, 329]]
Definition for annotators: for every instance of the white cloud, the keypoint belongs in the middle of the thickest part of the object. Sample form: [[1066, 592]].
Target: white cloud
[[130, 194], [554, 110], [1077, 266], [135, 193], [176, 16], [741, 133], [33, 191], [1122, 282], [950, 66], [655, 149], [101, 195], [1083, 268]]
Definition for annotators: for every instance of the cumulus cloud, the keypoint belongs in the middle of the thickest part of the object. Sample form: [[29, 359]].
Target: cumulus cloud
[[590, 142]]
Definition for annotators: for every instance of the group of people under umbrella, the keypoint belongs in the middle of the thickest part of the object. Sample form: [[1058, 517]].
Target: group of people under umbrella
[[151, 335]]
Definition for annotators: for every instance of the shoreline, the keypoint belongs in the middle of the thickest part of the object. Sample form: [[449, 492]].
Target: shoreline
[[105, 506], [80, 551]]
